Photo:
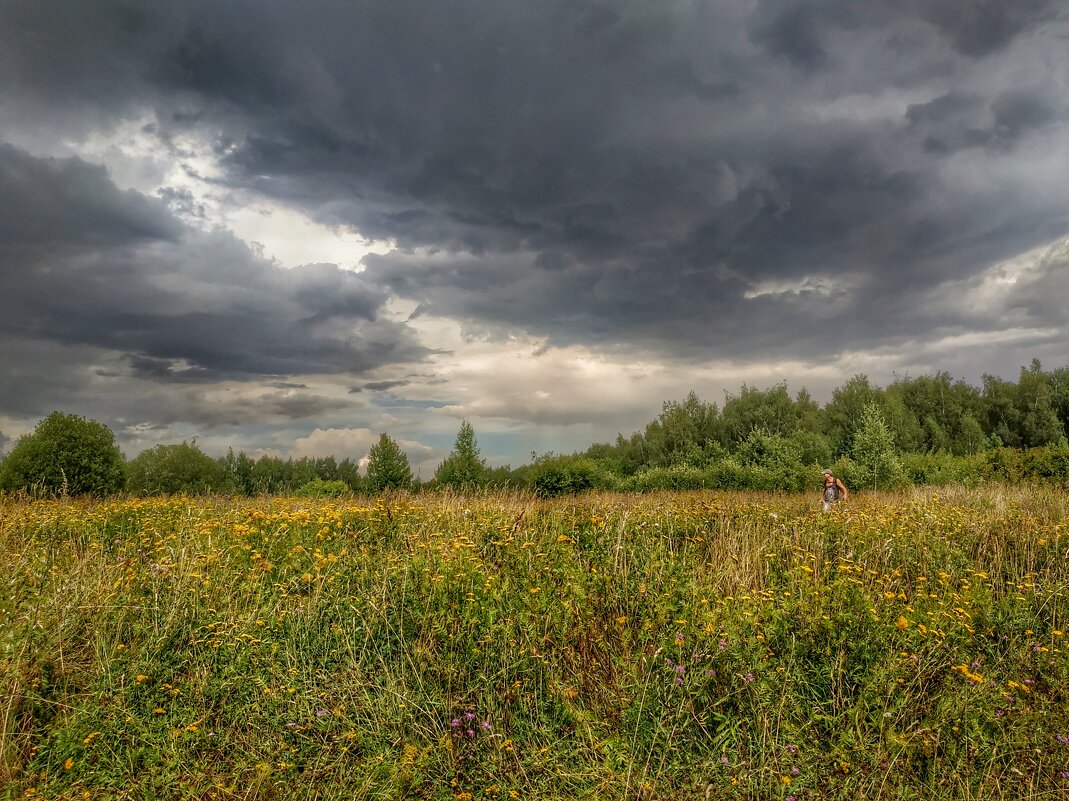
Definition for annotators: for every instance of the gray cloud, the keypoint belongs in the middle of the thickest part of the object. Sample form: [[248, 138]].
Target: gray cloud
[[705, 180], [111, 307], [978, 27], [627, 174], [380, 386], [84, 263]]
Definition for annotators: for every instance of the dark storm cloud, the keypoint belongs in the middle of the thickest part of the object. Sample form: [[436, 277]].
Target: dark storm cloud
[[726, 179], [84, 264], [382, 386], [979, 27], [71, 204]]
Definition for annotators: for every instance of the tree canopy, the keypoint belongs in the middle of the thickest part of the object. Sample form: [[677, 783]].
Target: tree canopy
[[387, 466], [463, 468], [65, 454], [171, 469]]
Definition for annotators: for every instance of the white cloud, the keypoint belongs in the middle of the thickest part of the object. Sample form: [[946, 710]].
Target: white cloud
[[996, 291], [342, 443], [291, 239], [132, 151], [820, 285]]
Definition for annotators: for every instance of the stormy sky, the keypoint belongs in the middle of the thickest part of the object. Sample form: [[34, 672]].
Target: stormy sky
[[287, 227]]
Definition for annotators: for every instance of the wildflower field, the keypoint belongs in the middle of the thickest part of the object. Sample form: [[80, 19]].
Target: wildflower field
[[665, 646]]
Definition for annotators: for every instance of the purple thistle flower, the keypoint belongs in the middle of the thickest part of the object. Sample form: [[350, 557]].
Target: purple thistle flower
[[469, 716], [454, 723], [470, 733], [485, 725], [1061, 738], [322, 713], [680, 670], [723, 644], [749, 677]]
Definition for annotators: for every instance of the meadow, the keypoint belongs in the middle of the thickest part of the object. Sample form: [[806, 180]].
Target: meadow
[[698, 645]]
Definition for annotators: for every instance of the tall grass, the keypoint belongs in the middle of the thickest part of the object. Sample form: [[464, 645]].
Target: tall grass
[[664, 646]]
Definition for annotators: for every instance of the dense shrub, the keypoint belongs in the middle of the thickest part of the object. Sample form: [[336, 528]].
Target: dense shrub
[[941, 469], [565, 475], [1049, 463], [171, 469], [677, 477], [729, 473], [1004, 464], [773, 462]]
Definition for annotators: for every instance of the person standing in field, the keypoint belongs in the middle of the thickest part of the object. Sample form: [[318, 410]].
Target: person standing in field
[[834, 490]]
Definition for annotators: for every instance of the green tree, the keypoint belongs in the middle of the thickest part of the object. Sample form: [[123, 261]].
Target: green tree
[[463, 468], [171, 469], [300, 471], [684, 434], [65, 454], [1059, 384], [773, 411], [348, 471], [842, 415], [971, 436], [1038, 418], [238, 471], [874, 450], [1000, 414], [269, 475], [812, 447], [941, 406], [626, 456], [775, 461], [387, 466]]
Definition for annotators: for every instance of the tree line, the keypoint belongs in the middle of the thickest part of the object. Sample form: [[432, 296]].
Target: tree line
[[924, 430], [67, 454]]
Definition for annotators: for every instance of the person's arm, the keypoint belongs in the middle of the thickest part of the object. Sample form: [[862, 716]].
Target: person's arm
[[842, 486]]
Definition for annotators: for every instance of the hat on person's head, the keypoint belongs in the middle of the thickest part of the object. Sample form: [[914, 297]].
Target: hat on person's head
[[826, 471]]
